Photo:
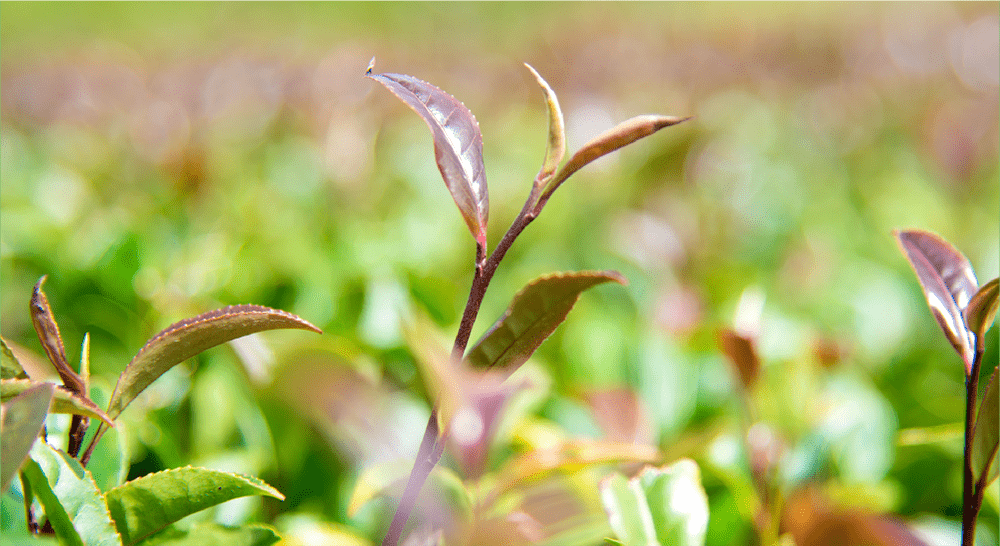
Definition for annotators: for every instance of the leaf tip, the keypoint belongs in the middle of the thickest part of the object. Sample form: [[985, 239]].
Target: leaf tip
[[371, 65]]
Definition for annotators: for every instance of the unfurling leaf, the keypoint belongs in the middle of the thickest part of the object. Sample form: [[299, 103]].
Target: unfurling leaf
[[533, 315], [986, 436], [458, 145], [664, 505], [48, 333], [150, 503], [948, 283], [22, 419], [981, 311], [63, 401], [619, 136], [743, 355], [185, 339], [556, 147]]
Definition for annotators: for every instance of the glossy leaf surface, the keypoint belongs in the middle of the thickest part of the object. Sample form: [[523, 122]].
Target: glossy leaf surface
[[63, 401], [458, 145], [23, 417], [147, 504], [77, 499], [948, 283], [982, 310], [48, 333], [555, 148], [214, 534], [986, 436], [533, 315], [664, 505], [619, 136], [189, 337]]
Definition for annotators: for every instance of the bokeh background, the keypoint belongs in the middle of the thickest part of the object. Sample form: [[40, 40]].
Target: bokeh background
[[163, 159]]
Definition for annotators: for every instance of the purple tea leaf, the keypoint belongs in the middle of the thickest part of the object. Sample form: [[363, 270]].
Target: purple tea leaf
[[533, 315], [556, 146], [948, 283], [458, 145]]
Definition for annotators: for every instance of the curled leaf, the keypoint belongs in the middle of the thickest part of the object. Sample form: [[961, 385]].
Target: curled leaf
[[63, 401], [22, 419], [948, 283], [981, 311], [556, 147], [619, 136], [533, 315], [187, 338], [458, 145], [48, 333], [147, 504], [985, 435]]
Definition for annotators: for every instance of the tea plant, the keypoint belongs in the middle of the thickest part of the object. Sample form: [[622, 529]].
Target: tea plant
[[72, 506], [471, 386], [965, 311]]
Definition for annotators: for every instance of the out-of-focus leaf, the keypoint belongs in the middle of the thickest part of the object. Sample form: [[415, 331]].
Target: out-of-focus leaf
[[185, 339], [813, 521], [63, 401], [212, 534], [666, 505], [555, 148], [948, 283], [533, 315], [22, 419], [78, 501], [458, 145], [11, 367], [742, 354], [150, 503], [981, 311], [619, 136], [388, 478], [48, 333], [985, 436], [620, 414]]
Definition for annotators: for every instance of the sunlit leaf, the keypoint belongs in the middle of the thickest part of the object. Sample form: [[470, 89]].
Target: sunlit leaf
[[48, 333], [948, 283], [742, 354], [63, 401], [22, 419], [76, 500], [150, 503], [555, 148], [458, 145], [985, 436], [214, 534], [981, 311], [619, 136], [11, 367], [533, 315], [187, 338], [664, 505]]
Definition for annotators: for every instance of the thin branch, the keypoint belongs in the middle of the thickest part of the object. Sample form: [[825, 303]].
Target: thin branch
[[972, 497]]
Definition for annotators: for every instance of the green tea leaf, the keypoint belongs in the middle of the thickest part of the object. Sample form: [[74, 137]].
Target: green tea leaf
[[77, 500], [458, 145], [981, 311], [985, 436], [145, 505], [211, 534], [533, 315], [187, 338], [57, 517], [63, 401], [48, 333], [11, 368], [664, 505], [948, 283], [22, 419], [555, 148]]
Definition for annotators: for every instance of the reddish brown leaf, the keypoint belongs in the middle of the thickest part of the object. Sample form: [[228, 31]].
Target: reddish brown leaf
[[948, 283], [742, 354], [458, 145], [48, 333], [981, 311]]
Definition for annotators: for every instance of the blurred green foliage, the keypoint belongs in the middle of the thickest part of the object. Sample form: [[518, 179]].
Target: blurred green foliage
[[160, 160]]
